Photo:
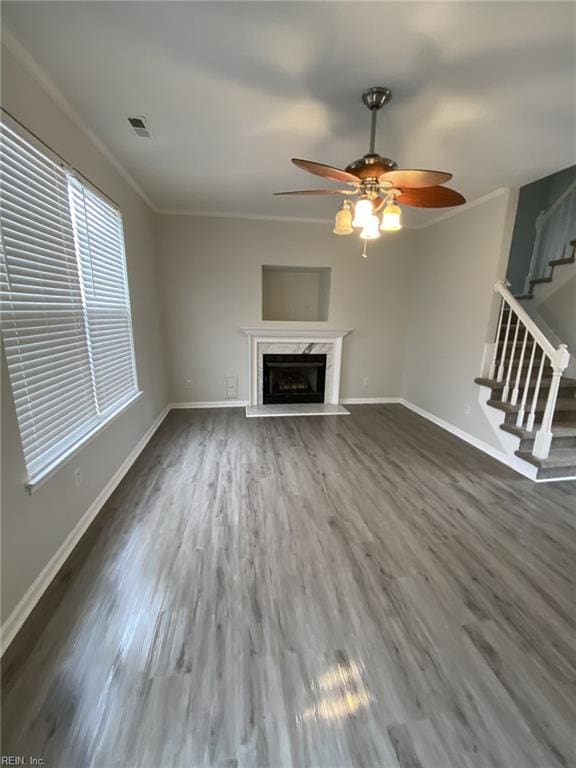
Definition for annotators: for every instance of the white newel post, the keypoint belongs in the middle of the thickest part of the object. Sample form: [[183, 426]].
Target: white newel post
[[543, 438]]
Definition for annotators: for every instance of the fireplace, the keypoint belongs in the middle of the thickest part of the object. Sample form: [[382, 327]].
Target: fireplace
[[293, 378]]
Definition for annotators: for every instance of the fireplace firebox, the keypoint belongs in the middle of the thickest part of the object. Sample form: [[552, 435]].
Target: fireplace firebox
[[293, 378]]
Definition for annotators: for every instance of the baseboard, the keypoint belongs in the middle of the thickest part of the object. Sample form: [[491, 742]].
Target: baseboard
[[212, 404], [522, 467], [26, 605], [369, 400], [244, 403]]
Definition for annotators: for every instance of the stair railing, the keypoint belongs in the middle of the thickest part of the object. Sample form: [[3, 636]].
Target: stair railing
[[524, 344], [555, 231]]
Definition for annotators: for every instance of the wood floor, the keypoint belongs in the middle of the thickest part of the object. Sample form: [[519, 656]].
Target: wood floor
[[313, 591]]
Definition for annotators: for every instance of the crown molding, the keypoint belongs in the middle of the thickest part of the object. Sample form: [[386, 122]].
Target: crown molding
[[245, 216], [302, 220], [12, 44], [462, 208]]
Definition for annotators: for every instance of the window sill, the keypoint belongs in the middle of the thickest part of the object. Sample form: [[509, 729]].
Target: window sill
[[34, 483]]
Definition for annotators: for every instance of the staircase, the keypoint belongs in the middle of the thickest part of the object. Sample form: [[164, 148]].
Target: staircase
[[527, 385], [568, 257], [554, 243]]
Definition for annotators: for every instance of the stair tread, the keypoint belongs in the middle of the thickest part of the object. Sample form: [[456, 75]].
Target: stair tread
[[558, 457], [565, 381], [558, 430], [560, 262], [563, 405]]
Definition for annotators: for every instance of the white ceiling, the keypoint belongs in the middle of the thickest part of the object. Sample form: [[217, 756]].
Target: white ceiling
[[232, 91]]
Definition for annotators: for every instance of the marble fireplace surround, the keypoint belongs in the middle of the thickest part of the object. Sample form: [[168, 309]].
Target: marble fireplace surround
[[295, 341]]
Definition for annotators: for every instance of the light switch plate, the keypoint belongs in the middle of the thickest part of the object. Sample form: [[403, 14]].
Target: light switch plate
[[231, 387]]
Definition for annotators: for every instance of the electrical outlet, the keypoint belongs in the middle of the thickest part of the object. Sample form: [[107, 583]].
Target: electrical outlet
[[467, 408], [189, 383], [77, 477], [365, 381], [231, 387]]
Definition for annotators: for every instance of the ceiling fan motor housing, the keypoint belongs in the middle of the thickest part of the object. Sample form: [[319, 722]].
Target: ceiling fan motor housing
[[371, 165]]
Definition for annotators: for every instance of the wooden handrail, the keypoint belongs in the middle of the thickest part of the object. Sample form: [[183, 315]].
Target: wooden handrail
[[549, 348]]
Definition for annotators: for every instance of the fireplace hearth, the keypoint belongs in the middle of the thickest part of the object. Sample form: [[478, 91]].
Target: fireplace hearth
[[297, 378]]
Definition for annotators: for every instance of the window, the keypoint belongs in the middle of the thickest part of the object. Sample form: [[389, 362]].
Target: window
[[66, 323]]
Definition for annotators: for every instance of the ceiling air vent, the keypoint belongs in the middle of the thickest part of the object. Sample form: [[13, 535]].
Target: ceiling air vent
[[139, 127]]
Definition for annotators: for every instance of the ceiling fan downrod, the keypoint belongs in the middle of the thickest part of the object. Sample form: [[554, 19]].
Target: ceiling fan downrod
[[375, 98]]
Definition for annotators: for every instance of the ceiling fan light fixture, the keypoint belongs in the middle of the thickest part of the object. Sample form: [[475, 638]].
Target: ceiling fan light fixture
[[343, 221], [391, 217], [378, 185], [362, 212], [371, 230]]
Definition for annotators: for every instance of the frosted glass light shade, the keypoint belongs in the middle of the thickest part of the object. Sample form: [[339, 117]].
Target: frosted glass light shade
[[370, 231], [362, 212], [343, 221], [391, 218]]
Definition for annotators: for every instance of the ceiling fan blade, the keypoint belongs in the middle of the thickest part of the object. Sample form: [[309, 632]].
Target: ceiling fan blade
[[415, 179], [431, 197], [318, 192], [326, 171]]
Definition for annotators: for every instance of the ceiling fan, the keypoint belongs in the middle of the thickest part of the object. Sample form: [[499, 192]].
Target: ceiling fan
[[375, 183]]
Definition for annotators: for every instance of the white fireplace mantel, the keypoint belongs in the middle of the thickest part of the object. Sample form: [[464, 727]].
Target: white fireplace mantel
[[285, 339], [266, 332]]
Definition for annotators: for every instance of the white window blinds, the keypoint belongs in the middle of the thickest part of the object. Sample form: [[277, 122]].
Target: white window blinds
[[65, 309], [100, 247]]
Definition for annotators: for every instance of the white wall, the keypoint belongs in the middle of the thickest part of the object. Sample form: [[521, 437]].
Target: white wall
[[34, 526], [454, 265], [211, 271]]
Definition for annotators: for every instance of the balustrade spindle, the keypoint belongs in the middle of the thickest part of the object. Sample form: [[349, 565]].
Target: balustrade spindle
[[498, 332], [522, 409], [516, 390], [506, 390], [532, 414], [505, 344]]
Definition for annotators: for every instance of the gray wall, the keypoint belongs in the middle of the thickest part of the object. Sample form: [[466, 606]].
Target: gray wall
[[534, 197], [454, 265], [34, 526], [211, 270]]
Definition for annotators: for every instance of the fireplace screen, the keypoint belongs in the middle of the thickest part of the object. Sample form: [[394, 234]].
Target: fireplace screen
[[294, 378]]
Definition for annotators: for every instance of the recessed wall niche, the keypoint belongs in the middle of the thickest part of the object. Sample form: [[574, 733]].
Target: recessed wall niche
[[295, 293]]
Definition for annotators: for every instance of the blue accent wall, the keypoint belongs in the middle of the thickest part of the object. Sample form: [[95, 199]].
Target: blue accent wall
[[535, 197]]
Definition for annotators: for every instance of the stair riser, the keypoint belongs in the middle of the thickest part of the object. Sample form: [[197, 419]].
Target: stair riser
[[515, 358], [566, 390], [553, 473], [546, 374], [561, 417], [527, 444], [519, 341]]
